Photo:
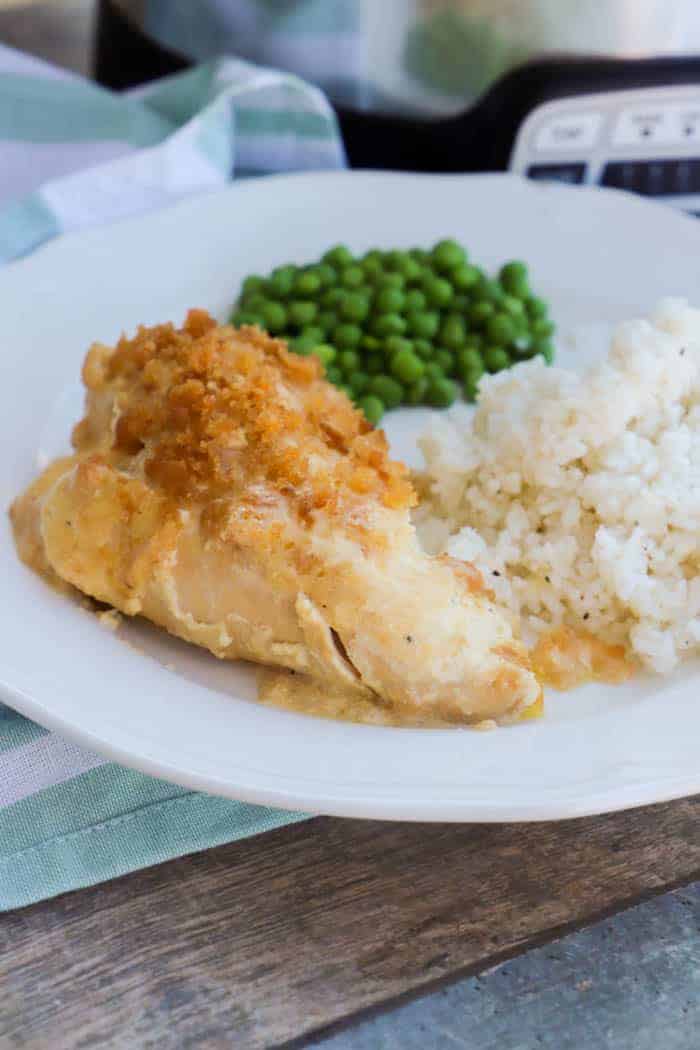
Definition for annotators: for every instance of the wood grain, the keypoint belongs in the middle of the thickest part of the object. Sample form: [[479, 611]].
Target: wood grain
[[262, 942]]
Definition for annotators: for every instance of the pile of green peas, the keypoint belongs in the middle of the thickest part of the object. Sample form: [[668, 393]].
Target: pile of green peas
[[397, 328]]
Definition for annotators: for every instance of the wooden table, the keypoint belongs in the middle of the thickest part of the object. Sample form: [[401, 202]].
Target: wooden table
[[264, 942]]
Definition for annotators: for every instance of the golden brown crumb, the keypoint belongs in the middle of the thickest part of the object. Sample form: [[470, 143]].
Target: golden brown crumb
[[110, 619], [216, 408]]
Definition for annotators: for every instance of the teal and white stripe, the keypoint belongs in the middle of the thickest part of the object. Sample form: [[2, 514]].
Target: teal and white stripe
[[89, 156], [73, 155]]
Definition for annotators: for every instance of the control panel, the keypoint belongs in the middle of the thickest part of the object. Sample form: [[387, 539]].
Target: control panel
[[646, 141]]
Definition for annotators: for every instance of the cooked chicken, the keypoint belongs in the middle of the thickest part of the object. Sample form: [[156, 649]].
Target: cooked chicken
[[221, 488]]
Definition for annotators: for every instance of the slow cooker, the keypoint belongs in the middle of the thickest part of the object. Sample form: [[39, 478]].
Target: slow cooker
[[584, 91]]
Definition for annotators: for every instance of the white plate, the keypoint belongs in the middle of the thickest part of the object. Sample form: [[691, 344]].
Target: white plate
[[174, 711]]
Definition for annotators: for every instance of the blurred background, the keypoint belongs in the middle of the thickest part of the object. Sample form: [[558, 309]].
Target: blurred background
[[588, 91]]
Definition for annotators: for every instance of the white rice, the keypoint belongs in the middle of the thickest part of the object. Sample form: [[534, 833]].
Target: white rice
[[579, 495]]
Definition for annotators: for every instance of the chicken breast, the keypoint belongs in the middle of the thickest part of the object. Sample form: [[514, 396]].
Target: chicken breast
[[223, 489]]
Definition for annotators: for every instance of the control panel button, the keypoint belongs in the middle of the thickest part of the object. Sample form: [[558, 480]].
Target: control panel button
[[574, 173], [642, 126], [689, 123], [569, 131], [654, 178]]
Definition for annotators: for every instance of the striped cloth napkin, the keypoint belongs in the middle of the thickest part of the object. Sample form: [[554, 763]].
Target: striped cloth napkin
[[71, 156]]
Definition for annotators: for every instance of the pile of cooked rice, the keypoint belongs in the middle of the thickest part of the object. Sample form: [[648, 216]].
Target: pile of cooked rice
[[578, 495]]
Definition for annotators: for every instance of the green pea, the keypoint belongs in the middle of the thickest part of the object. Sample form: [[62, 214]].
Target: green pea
[[461, 303], [239, 317], [433, 371], [307, 284], [442, 393], [480, 312], [446, 255], [389, 324], [395, 344], [391, 280], [410, 270], [522, 346], [545, 348], [274, 317], [419, 254], [347, 335], [423, 324], [513, 306], [387, 389], [390, 301], [358, 382], [327, 320], [542, 328], [302, 312], [374, 364], [469, 362], [282, 280], [373, 256], [438, 291], [372, 267], [339, 256], [496, 358], [325, 353], [352, 277], [401, 262], [334, 375], [256, 320], [355, 307], [513, 273], [303, 344], [256, 302], [453, 332], [416, 393], [326, 274], [349, 361], [518, 287], [423, 347], [313, 331], [536, 307], [445, 360], [395, 260], [499, 329], [490, 290], [373, 408], [345, 389], [464, 276], [333, 297], [253, 284], [407, 367], [370, 343], [415, 300]]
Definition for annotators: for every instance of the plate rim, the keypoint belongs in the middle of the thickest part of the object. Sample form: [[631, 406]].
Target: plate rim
[[623, 797]]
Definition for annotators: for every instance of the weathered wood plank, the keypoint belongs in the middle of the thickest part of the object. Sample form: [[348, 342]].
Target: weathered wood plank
[[260, 942]]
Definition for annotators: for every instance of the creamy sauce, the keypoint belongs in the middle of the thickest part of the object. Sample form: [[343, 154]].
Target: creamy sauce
[[309, 696], [563, 658]]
